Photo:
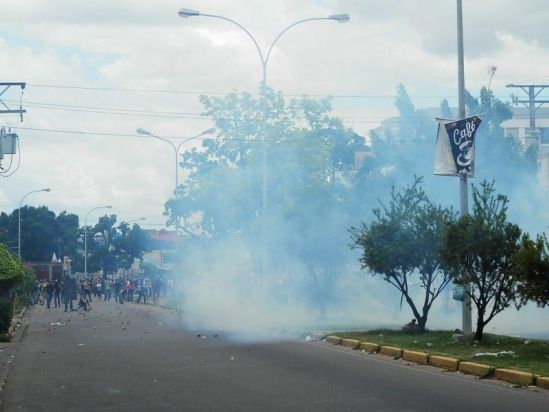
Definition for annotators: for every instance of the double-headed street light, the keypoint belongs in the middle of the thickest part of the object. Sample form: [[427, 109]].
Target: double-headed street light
[[19, 219], [340, 18], [86, 238], [144, 132]]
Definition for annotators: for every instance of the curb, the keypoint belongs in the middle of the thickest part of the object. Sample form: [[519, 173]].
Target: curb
[[369, 347], [350, 343], [514, 376], [542, 382], [391, 351], [473, 368], [417, 357], [336, 340], [451, 364], [444, 362]]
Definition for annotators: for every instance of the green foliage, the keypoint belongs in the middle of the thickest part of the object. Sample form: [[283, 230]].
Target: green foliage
[[532, 261], [25, 287], [11, 271], [6, 314], [403, 243], [42, 232], [110, 247], [479, 249]]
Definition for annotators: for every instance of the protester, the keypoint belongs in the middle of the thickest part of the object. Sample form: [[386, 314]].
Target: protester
[[69, 292], [49, 293], [57, 293]]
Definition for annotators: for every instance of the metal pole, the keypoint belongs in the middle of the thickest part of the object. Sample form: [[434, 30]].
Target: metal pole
[[466, 318], [86, 238]]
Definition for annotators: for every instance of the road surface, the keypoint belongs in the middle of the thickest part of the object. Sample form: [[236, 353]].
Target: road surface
[[142, 358]]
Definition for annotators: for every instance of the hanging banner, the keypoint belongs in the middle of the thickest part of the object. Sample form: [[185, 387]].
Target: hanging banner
[[455, 146]]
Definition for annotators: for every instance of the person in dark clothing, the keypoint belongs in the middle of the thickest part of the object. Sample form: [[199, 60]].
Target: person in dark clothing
[[49, 293], [57, 293], [69, 292]]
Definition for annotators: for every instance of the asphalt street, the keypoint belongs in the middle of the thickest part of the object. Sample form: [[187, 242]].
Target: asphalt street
[[142, 358]]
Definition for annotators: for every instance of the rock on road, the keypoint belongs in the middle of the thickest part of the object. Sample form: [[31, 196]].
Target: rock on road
[[142, 358]]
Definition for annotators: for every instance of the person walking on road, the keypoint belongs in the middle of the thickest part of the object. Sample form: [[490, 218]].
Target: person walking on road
[[69, 292], [49, 293], [57, 293]]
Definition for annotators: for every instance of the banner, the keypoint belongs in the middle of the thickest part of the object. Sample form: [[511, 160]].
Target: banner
[[455, 146]]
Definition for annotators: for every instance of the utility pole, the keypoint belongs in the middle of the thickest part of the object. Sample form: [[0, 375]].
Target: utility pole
[[533, 91], [466, 318], [9, 141]]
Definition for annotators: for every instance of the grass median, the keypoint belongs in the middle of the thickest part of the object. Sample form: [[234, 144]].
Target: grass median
[[499, 351]]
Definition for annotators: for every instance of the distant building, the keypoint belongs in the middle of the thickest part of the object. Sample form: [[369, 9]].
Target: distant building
[[162, 245]]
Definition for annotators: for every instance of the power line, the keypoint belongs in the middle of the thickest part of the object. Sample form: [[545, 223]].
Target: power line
[[213, 93]]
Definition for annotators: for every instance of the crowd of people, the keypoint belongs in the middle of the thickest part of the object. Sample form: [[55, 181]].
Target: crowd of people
[[67, 291]]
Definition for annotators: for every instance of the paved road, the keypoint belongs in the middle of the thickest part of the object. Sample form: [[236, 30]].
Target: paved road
[[141, 358]]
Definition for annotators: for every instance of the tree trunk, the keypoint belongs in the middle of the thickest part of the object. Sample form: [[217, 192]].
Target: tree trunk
[[421, 322], [480, 326]]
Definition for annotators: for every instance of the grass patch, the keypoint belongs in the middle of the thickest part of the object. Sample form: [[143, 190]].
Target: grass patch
[[530, 355]]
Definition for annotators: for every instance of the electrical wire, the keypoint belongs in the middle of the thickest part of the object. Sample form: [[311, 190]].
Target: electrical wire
[[212, 93]]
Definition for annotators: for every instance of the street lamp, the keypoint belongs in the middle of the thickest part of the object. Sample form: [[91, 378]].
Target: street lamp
[[144, 132], [19, 219], [86, 238], [340, 18]]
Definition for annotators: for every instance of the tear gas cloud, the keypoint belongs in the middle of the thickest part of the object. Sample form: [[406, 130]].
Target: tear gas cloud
[[313, 280]]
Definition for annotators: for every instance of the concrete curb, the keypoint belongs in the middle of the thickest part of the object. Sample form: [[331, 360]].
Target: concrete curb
[[477, 369], [350, 343], [417, 357], [514, 376], [369, 347], [336, 340], [542, 382], [391, 351], [444, 362], [451, 364]]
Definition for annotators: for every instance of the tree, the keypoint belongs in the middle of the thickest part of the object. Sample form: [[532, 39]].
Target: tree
[[403, 244], [310, 156], [532, 260], [42, 233], [479, 249], [11, 271]]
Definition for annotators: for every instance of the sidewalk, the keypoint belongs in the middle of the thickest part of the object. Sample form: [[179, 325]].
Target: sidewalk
[[8, 350]]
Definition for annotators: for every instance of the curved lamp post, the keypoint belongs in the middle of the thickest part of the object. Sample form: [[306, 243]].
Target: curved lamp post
[[340, 18], [86, 238], [144, 132], [19, 219]]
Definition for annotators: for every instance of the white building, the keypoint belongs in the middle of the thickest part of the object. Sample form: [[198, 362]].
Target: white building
[[518, 127]]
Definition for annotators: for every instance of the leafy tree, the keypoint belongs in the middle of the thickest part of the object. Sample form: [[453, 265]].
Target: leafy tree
[[42, 232], [479, 249], [403, 243], [11, 271], [533, 263], [110, 247], [310, 155]]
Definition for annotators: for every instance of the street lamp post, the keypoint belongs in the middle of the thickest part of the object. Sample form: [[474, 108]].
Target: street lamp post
[[19, 219], [175, 148], [86, 238], [264, 58]]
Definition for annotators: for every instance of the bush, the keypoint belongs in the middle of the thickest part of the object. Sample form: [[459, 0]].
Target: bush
[[6, 313]]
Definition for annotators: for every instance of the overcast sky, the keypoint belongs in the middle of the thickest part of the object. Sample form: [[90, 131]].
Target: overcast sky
[[132, 44]]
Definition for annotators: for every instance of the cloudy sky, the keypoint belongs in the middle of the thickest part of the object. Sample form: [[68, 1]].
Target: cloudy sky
[[104, 68]]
